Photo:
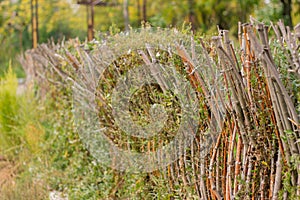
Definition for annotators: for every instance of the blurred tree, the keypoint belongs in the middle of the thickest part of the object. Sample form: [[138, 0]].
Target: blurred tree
[[57, 19], [274, 10], [64, 18], [34, 5], [268, 11], [144, 10], [126, 15], [287, 12], [203, 15], [14, 26], [138, 8], [296, 12], [192, 15]]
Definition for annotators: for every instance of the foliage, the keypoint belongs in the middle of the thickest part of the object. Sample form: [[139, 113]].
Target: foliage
[[21, 137], [65, 19], [19, 125], [9, 109], [54, 22]]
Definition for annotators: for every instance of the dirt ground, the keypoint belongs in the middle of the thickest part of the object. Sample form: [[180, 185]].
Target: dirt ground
[[7, 173]]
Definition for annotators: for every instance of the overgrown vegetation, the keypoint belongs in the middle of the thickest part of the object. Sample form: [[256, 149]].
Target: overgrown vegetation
[[256, 154], [22, 137]]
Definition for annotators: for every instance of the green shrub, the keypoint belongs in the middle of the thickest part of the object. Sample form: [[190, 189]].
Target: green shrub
[[19, 117], [9, 109]]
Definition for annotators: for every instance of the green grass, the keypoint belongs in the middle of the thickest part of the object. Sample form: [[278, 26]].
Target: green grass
[[21, 136]]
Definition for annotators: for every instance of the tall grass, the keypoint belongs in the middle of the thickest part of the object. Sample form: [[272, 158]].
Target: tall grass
[[19, 117], [21, 136], [9, 109]]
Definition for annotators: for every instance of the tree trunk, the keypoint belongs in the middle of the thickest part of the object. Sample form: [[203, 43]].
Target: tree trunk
[[287, 10], [144, 10], [192, 16], [90, 20], [138, 7], [126, 15], [34, 22]]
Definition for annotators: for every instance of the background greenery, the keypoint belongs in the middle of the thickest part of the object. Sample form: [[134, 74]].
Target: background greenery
[[60, 19]]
